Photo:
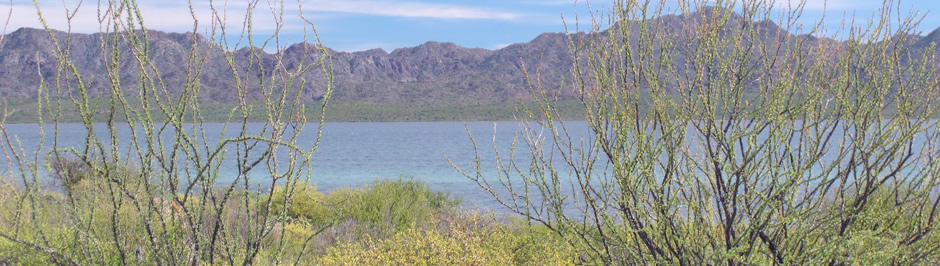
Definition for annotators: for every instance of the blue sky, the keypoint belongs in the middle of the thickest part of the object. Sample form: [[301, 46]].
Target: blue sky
[[355, 25]]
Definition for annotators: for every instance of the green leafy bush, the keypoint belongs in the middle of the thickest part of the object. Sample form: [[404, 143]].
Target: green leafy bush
[[397, 203], [386, 204]]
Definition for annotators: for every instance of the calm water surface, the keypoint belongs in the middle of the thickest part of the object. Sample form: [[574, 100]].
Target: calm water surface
[[353, 154]]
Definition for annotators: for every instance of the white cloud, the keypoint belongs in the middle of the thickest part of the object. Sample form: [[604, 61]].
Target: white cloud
[[500, 46], [409, 9], [173, 15], [555, 2], [831, 5], [818, 5]]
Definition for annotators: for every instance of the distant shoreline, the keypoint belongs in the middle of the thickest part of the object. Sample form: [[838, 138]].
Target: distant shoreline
[[25, 111]]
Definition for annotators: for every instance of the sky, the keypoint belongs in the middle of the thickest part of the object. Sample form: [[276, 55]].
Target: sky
[[357, 25]]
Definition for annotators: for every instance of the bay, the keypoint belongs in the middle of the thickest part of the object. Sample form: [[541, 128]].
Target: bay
[[356, 154], [350, 154]]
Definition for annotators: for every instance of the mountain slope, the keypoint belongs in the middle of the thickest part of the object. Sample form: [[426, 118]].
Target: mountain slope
[[433, 73]]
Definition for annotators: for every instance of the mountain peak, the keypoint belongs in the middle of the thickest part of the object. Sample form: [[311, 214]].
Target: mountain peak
[[371, 52], [711, 11], [430, 47], [932, 38]]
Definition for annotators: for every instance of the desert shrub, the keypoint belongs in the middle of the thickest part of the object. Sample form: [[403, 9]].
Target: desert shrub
[[390, 205], [307, 204], [69, 170], [398, 204], [523, 242], [458, 237], [143, 187], [75, 174], [724, 132], [414, 246], [402, 220], [90, 201], [537, 244]]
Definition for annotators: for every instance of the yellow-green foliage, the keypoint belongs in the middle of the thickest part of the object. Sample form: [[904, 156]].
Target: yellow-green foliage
[[13, 253], [459, 238], [306, 203], [170, 209], [877, 235], [398, 203], [393, 221], [715, 139], [101, 210], [386, 203], [403, 222], [414, 246]]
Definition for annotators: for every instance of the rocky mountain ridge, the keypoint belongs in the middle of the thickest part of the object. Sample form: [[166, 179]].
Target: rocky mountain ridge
[[433, 73]]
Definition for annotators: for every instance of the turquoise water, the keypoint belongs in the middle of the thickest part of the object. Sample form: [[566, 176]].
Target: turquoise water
[[352, 154], [357, 153]]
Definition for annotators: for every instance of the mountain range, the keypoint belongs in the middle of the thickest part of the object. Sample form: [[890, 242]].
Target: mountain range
[[432, 73]]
